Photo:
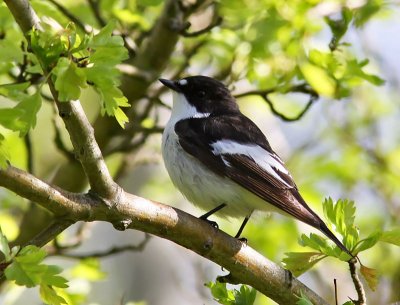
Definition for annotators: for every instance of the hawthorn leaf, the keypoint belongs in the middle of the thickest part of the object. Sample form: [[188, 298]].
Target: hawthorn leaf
[[50, 296], [69, 80], [300, 262]]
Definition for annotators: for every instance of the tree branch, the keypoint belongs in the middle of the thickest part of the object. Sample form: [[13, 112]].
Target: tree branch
[[115, 250], [133, 212], [302, 88], [81, 132], [357, 283]]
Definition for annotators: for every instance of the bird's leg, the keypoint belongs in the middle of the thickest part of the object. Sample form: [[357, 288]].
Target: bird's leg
[[209, 213], [246, 219]]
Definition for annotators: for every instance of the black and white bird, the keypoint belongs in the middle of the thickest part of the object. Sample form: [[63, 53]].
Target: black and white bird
[[222, 162]]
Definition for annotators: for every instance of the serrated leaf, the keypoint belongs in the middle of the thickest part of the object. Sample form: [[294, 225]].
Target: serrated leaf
[[245, 296], [300, 262], [106, 52], [28, 275], [50, 296], [370, 275], [69, 80], [23, 116], [27, 269], [391, 237], [30, 106], [220, 293], [4, 247], [341, 216], [51, 277]]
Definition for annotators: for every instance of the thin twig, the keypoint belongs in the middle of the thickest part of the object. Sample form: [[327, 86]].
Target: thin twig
[[357, 283], [95, 6], [29, 151], [58, 141], [115, 250], [77, 240], [218, 20], [71, 16], [302, 88], [336, 298]]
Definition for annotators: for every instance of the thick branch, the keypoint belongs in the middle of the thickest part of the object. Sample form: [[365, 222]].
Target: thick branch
[[133, 212]]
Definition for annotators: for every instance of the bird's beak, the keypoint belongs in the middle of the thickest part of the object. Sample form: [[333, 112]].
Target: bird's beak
[[170, 84]]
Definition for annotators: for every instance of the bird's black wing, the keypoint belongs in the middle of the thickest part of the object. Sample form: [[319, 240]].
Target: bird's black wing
[[270, 181], [197, 136]]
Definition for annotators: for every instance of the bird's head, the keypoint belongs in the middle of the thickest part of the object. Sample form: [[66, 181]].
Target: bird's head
[[205, 94]]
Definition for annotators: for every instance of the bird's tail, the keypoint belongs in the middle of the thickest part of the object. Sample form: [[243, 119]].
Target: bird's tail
[[324, 229]]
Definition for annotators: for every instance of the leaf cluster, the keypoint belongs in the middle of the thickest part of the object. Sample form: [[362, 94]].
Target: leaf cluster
[[78, 60], [340, 216], [225, 296], [26, 268]]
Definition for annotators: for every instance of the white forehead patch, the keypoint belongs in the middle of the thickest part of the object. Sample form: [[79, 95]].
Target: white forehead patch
[[183, 82]]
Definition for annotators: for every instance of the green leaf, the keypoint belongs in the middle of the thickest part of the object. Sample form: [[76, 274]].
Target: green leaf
[[69, 80], [368, 242], [25, 274], [391, 237], [341, 216], [303, 300], [319, 79], [23, 116], [300, 262], [370, 275], [47, 45], [50, 296], [88, 269], [30, 106], [107, 52], [51, 277], [220, 293], [245, 296], [27, 269], [4, 247]]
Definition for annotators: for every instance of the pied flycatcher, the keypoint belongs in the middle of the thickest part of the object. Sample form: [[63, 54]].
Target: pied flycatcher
[[222, 162]]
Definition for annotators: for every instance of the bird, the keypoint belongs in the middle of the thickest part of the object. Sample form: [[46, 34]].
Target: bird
[[222, 162]]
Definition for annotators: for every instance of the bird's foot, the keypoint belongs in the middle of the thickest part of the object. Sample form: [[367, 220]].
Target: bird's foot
[[214, 224]]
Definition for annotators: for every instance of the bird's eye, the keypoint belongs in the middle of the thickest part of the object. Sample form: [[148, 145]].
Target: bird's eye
[[201, 93]]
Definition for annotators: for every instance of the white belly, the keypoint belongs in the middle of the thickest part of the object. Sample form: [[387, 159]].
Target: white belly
[[201, 186]]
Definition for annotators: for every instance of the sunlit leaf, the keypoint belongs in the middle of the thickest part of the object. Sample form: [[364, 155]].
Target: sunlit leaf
[[391, 237], [300, 262], [368, 242], [50, 296], [319, 79], [88, 269]]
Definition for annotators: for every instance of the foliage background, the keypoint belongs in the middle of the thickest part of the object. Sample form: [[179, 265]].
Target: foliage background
[[345, 146]]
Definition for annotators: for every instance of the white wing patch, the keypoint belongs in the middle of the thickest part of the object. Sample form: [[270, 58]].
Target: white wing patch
[[269, 162]]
